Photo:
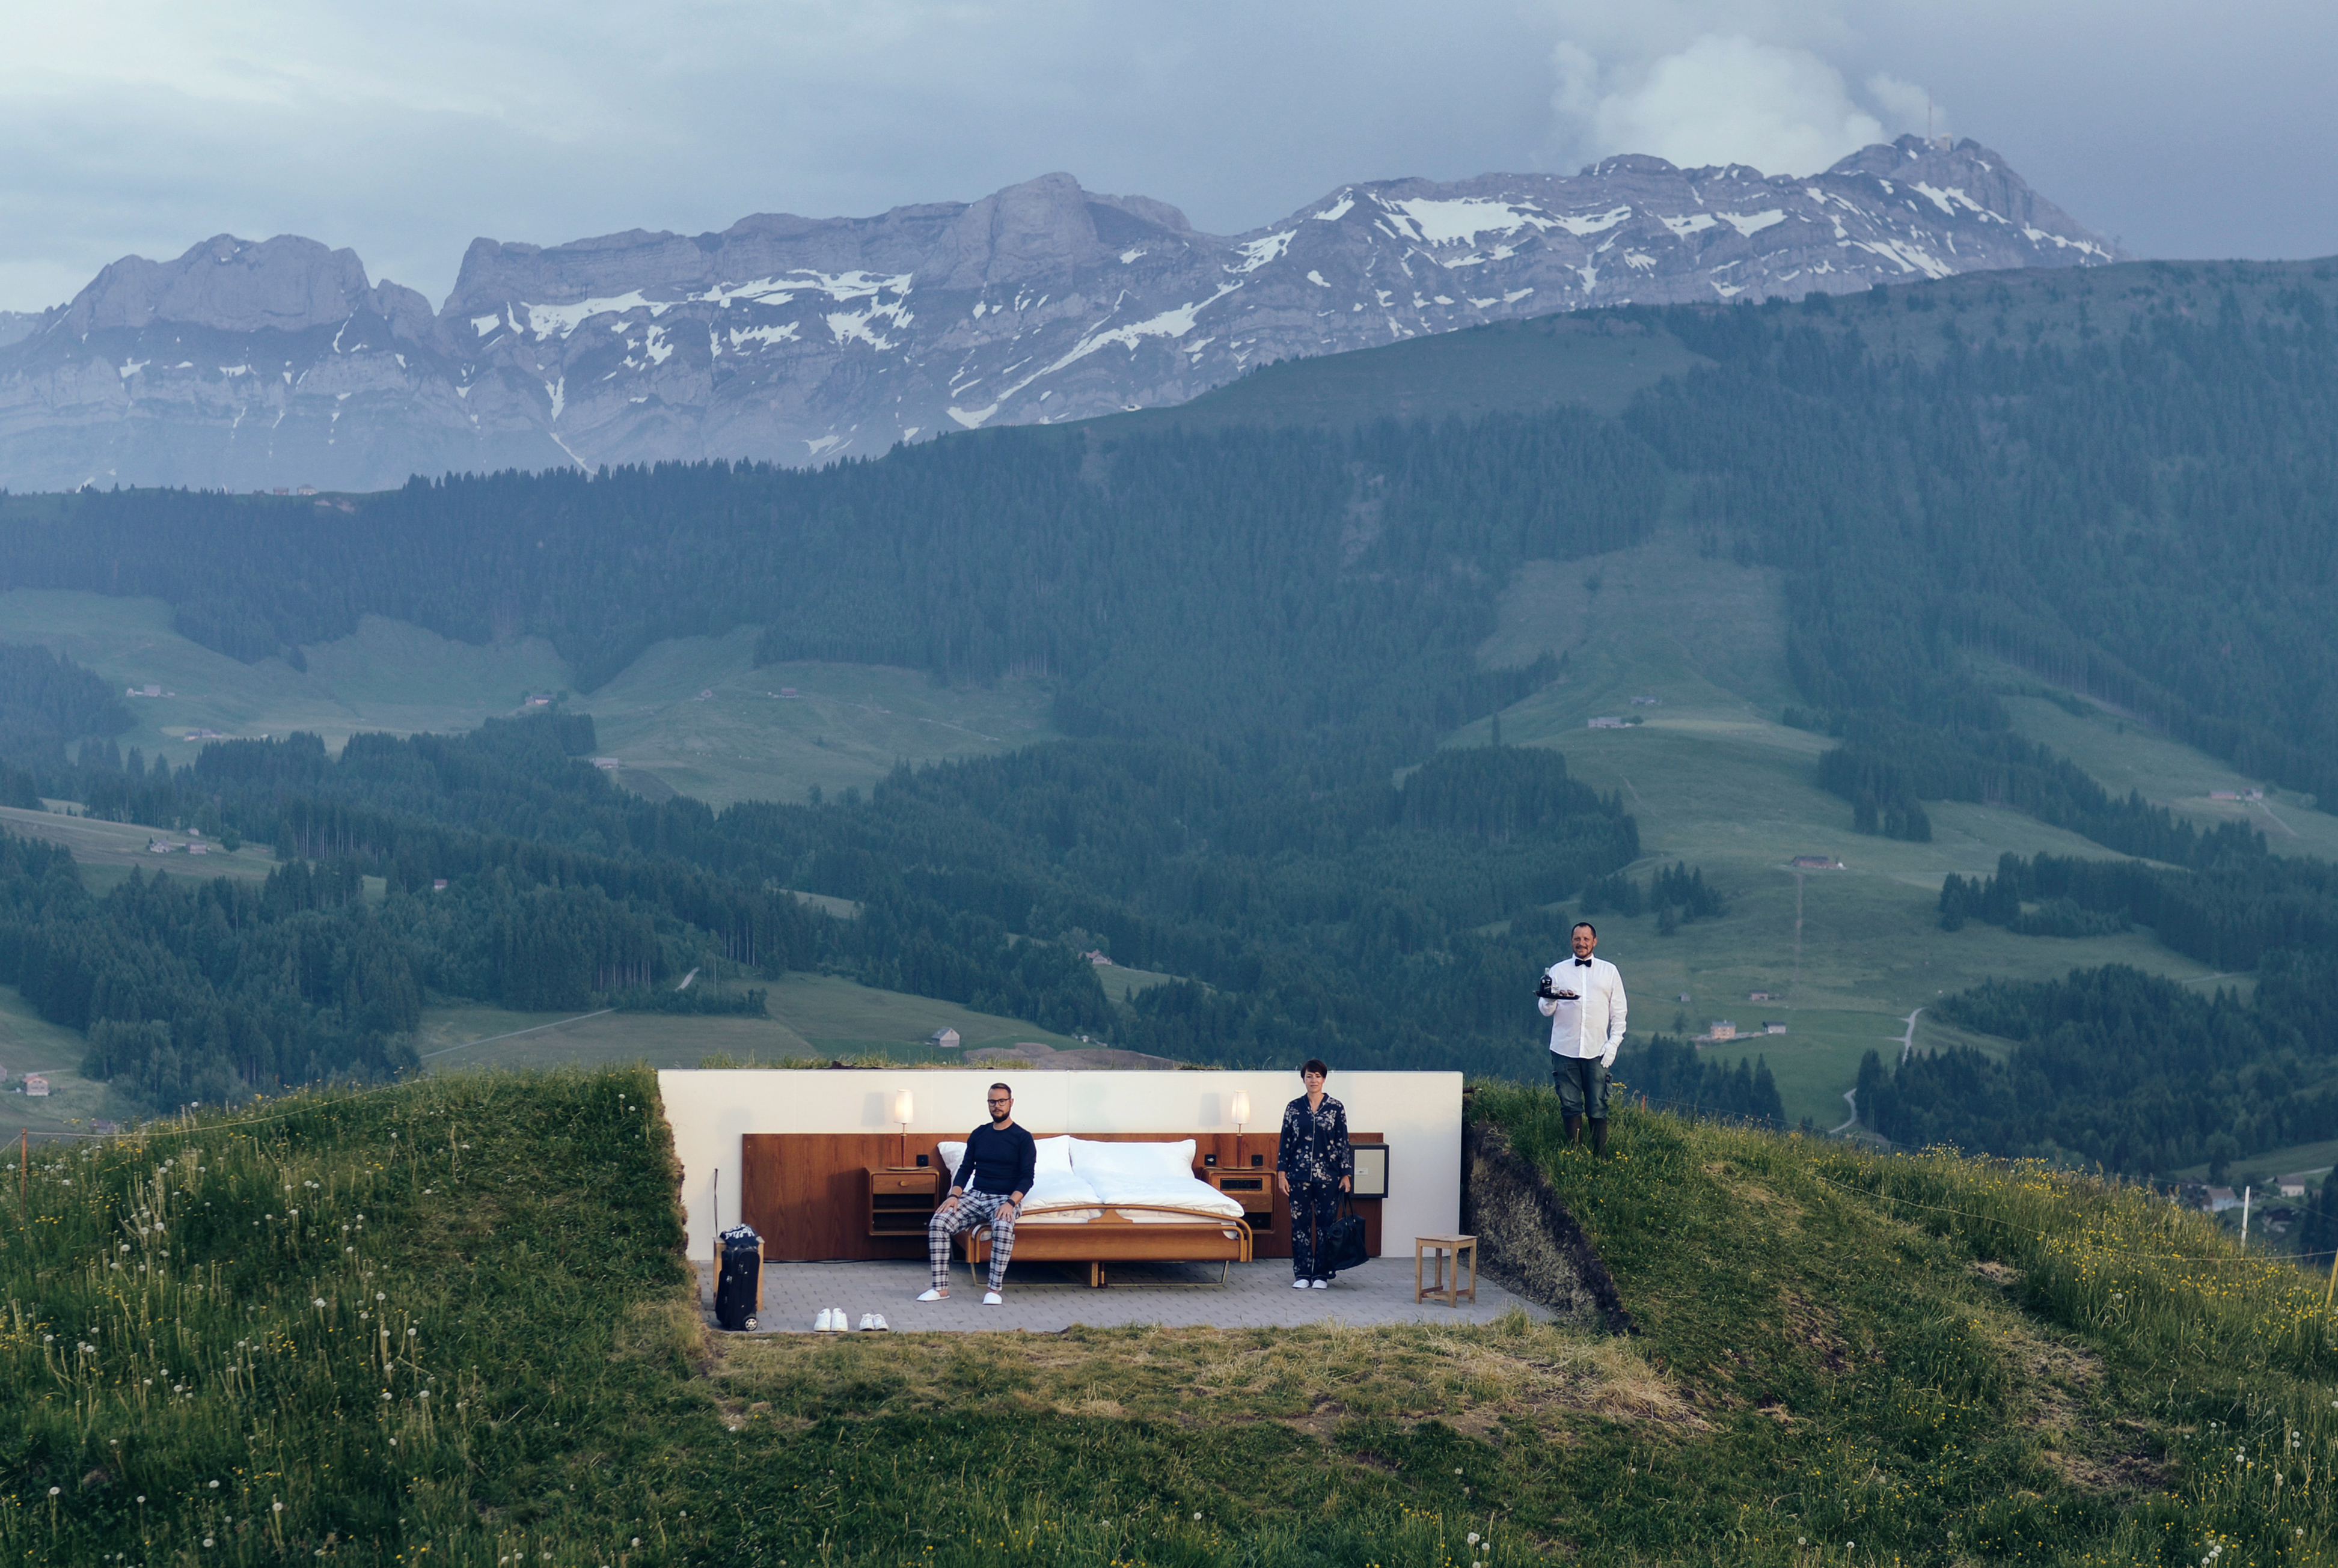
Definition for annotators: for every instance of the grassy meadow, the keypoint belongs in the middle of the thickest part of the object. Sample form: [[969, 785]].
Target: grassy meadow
[[449, 1321], [847, 728], [811, 1015], [29, 1043]]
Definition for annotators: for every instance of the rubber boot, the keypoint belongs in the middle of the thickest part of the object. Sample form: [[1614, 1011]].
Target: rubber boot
[[1600, 1138], [1574, 1125]]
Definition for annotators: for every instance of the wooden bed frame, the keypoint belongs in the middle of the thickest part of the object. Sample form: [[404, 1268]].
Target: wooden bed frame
[[1217, 1239], [806, 1193]]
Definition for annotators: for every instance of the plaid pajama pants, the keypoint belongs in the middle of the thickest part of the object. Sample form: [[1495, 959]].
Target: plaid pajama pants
[[969, 1212]]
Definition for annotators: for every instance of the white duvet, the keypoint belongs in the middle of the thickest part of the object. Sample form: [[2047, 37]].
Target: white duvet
[[1079, 1177], [1185, 1194]]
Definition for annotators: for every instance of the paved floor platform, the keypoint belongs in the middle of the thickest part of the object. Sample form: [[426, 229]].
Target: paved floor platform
[[1046, 1299]]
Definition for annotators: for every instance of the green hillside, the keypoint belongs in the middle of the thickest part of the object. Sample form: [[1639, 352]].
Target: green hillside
[[1715, 779], [449, 1322], [847, 728], [1596, 361]]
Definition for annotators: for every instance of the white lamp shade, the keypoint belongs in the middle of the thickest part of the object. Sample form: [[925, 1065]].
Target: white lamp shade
[[905, 1109], [1241, 1105]]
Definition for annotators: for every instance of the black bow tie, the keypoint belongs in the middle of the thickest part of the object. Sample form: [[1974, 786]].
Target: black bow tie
[[1583, 963]]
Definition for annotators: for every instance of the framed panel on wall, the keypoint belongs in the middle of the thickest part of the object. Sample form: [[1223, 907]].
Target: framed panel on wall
[[1371, 1170]]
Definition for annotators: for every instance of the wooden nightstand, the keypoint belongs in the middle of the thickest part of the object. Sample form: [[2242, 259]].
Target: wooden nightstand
[[901, 1202], [1254, 1188]]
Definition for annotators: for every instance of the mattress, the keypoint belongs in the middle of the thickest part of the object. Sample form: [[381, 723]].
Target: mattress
[[1186, 1193]]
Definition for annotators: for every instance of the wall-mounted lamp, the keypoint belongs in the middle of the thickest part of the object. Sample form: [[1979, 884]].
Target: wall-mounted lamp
[[905, 1110]]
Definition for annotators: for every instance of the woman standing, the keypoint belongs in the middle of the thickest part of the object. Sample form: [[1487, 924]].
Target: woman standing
[[1313, 1167]]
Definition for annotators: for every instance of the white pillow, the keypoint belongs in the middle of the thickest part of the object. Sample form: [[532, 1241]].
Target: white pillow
[[951, 1154], [1124, 1165]]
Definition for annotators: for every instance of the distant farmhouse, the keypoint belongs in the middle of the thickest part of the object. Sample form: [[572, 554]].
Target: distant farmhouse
[[36, 1086], [1770, 1028], [1759, 996], [2236, 794], [1646, 702], [1606, 721], [1722, 1029], [943, 1039], [1816, 863], [1100, 959]]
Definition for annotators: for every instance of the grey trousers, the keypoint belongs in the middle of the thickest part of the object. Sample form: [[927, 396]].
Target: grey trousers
[[1582, 1085]]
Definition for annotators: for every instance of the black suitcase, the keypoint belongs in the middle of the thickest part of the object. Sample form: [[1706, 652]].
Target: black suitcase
[[738, 1281]]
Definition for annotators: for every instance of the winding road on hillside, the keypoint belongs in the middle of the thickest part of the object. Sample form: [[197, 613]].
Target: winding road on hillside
[[1851, 1096]]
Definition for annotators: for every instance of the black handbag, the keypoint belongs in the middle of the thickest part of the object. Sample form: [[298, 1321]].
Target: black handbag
[[1341, 1246]]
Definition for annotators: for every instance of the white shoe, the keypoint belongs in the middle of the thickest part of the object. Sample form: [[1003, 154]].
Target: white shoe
[[839, 1322], [1298, 1285], [878, 1323], [992, 1299], [1322, 1284], [934, 1296], [867, 1321], [824, 1322]]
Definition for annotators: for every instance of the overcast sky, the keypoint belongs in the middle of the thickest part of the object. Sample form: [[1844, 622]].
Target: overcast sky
[[140, 126]]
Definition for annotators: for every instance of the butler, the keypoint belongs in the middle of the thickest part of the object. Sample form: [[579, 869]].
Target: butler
[[1583, 997]]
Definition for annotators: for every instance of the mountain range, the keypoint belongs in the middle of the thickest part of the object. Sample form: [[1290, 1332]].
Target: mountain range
[[797, 340]]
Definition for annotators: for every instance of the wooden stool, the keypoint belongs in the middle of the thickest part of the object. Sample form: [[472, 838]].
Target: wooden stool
[[1437, 1248]]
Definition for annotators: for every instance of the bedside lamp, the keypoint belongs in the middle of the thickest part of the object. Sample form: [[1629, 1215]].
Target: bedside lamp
[[1240, 1114], [905, 1110]]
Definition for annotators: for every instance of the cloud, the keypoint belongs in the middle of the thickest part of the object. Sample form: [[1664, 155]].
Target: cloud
[[1725, 98]]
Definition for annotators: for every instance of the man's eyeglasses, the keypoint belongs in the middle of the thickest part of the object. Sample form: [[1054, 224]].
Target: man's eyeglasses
[[1001, 1102]]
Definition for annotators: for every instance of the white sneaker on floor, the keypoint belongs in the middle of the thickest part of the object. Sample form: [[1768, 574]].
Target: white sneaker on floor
[[1322, 1284], [934, 1296], [839, 1322], [867, 1321], [992, 1299], [1299, 1284], [879, 1324], [825, 1321]]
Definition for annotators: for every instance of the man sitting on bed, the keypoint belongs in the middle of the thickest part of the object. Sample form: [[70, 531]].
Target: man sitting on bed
[[988, 1187]]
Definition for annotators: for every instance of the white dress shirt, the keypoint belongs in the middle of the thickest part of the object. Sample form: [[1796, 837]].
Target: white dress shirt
[[1592, 1025]]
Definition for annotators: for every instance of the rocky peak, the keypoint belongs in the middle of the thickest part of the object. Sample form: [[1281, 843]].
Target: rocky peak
[[286, 284]]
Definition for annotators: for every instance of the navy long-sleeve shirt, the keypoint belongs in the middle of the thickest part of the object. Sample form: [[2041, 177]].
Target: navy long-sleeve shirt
[[1314, 1145], [999, 1161]]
